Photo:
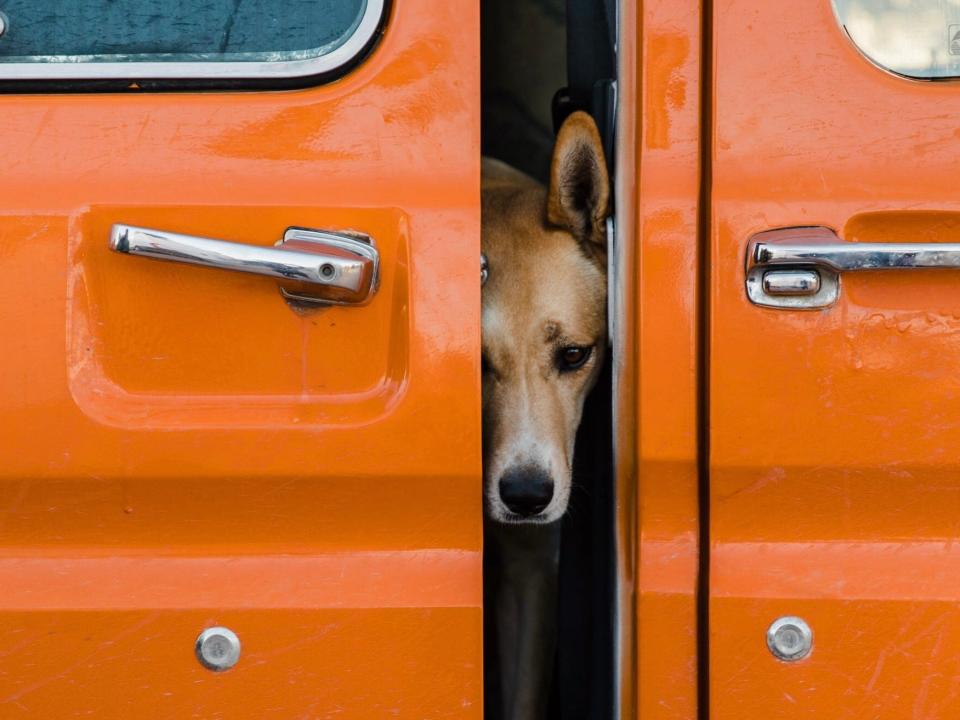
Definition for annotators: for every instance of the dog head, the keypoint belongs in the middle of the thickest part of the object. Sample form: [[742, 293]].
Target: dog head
[[544, 321]]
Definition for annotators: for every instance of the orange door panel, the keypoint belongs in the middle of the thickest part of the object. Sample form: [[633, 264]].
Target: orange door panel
[[180, 448], [656, 340], [835, 432]]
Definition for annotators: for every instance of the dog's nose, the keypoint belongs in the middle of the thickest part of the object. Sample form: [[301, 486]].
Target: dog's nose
[[526, 491]]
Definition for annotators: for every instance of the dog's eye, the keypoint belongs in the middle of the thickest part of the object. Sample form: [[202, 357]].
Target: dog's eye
[[573, 357]]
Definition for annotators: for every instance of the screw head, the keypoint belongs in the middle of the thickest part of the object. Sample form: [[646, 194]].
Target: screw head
[[327, 271], [218, 648], [790, 638], [4, 24]]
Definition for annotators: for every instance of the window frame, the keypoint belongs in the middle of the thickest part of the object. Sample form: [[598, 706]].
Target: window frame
[[870, 55], [202, 73]]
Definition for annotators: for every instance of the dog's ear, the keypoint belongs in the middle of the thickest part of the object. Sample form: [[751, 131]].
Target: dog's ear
[[579, 195]]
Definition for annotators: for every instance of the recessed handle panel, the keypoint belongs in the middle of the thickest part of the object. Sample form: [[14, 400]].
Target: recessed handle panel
[[315, 267]]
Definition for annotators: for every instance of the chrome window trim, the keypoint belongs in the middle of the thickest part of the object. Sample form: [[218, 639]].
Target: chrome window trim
[[363, 33], [620, 263]]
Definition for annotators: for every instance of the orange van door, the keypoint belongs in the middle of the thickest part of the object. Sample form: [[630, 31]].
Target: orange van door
[[834, 349], [185, 448]]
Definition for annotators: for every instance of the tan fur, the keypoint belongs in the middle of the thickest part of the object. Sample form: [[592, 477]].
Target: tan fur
[[579, 135], [546, 289]]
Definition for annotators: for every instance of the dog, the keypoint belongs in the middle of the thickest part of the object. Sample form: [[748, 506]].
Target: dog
[[544, 296]]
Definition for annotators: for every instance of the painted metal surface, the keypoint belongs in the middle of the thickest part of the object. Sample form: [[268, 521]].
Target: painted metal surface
[[835, 434], [179, 449], [656, 353]]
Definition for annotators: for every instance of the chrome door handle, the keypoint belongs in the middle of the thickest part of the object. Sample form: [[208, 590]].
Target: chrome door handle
[[315, 267], [800, 267]]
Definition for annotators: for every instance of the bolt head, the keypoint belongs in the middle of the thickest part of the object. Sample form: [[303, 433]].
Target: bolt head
[[218, 648], [790, 638]]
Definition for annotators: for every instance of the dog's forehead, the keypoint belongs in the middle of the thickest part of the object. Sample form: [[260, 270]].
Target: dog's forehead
[[542, 288]]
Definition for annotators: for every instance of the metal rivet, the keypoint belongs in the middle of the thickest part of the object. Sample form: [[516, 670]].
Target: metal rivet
[[4, 24], [218, 648], [327, 271], [790, 638]]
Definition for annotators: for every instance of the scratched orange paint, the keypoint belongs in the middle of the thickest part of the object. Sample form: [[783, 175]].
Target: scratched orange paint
[[179, 448], [835, 435]]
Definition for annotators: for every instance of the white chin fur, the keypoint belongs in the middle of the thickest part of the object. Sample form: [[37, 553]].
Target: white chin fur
[[509, 518]]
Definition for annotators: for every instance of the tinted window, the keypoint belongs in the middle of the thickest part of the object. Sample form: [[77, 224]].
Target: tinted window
[[63, 36]]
